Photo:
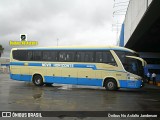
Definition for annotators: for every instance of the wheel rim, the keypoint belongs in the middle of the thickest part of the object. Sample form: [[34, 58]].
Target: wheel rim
[[38, 81], [110, 85]]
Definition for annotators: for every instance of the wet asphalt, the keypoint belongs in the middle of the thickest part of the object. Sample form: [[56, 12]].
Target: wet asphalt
[[22, 96]]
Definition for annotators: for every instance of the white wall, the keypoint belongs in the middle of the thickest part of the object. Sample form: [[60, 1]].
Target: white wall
[[135, 12], [149, 2]]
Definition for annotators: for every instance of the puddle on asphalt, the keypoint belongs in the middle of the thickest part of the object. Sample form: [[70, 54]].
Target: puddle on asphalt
[[65, 88], [36, 96]]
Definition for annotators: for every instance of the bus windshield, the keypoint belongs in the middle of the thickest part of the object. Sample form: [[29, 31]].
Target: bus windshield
[[130, 63], [133, 65]]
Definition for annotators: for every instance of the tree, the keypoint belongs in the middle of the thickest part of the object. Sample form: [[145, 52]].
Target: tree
[[1, 49]]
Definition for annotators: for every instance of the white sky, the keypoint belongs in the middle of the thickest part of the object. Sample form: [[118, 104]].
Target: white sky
[[73, 22]]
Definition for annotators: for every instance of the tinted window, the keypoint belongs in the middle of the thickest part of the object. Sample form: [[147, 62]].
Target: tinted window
[[23, 55], [133, 66], [80, 56], [105, 57], [29, 56], [49, 56], [89, 57], [19, 55], [121, 54], [66, 56], [85, 56], [99, 57], [37, 55]]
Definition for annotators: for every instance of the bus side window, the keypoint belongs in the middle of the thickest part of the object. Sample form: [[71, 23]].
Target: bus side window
[[89, 57], [80, 56], [70, 56], [62, 56], [49, 55], [37, 55], [108, 58], [45, 55], [99, 57], [54, 56], [19, 55], [29, 55], [121, 55], [66, 56]]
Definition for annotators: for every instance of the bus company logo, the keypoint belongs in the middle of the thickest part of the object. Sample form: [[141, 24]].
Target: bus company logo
[[6, 114], [23, 37], [23, 41]]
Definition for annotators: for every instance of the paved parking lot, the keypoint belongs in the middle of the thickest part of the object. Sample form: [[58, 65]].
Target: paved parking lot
[[17, 96]]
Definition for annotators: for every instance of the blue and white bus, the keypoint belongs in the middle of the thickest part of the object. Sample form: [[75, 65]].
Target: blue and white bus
[[105, 66]]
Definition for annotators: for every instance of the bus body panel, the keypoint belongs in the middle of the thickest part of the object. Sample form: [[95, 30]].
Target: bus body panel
[[77, 73], [77, 76]]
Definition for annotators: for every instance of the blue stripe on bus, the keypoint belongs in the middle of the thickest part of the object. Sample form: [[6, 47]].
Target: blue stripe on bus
[[74, 81], [77, 81], [21, 77], [84, 66], [5, 64], [17, 63], [34, 64], [60, 80], [90, 82], [130, 83], [74, 65], [53, 65], [22, 64]]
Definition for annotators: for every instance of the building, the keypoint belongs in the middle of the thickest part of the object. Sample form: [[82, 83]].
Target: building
[[141, 32]]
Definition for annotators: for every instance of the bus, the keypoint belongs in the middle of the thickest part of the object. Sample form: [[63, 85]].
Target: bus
[[111, 67], [4, 64]]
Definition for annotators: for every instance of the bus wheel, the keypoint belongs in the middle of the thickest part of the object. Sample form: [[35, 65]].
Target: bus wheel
[[111, 85], [38, 80]]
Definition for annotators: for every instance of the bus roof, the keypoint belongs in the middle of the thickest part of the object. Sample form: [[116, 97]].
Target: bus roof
[[78, 48]]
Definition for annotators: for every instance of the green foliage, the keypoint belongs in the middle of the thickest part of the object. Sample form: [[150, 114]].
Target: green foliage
[[1, 48]]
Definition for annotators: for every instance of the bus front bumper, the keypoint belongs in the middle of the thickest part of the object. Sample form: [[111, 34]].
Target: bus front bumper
[[131, 83]]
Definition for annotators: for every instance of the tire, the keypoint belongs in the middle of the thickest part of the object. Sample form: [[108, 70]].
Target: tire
[[111, 85], [38, 80]]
